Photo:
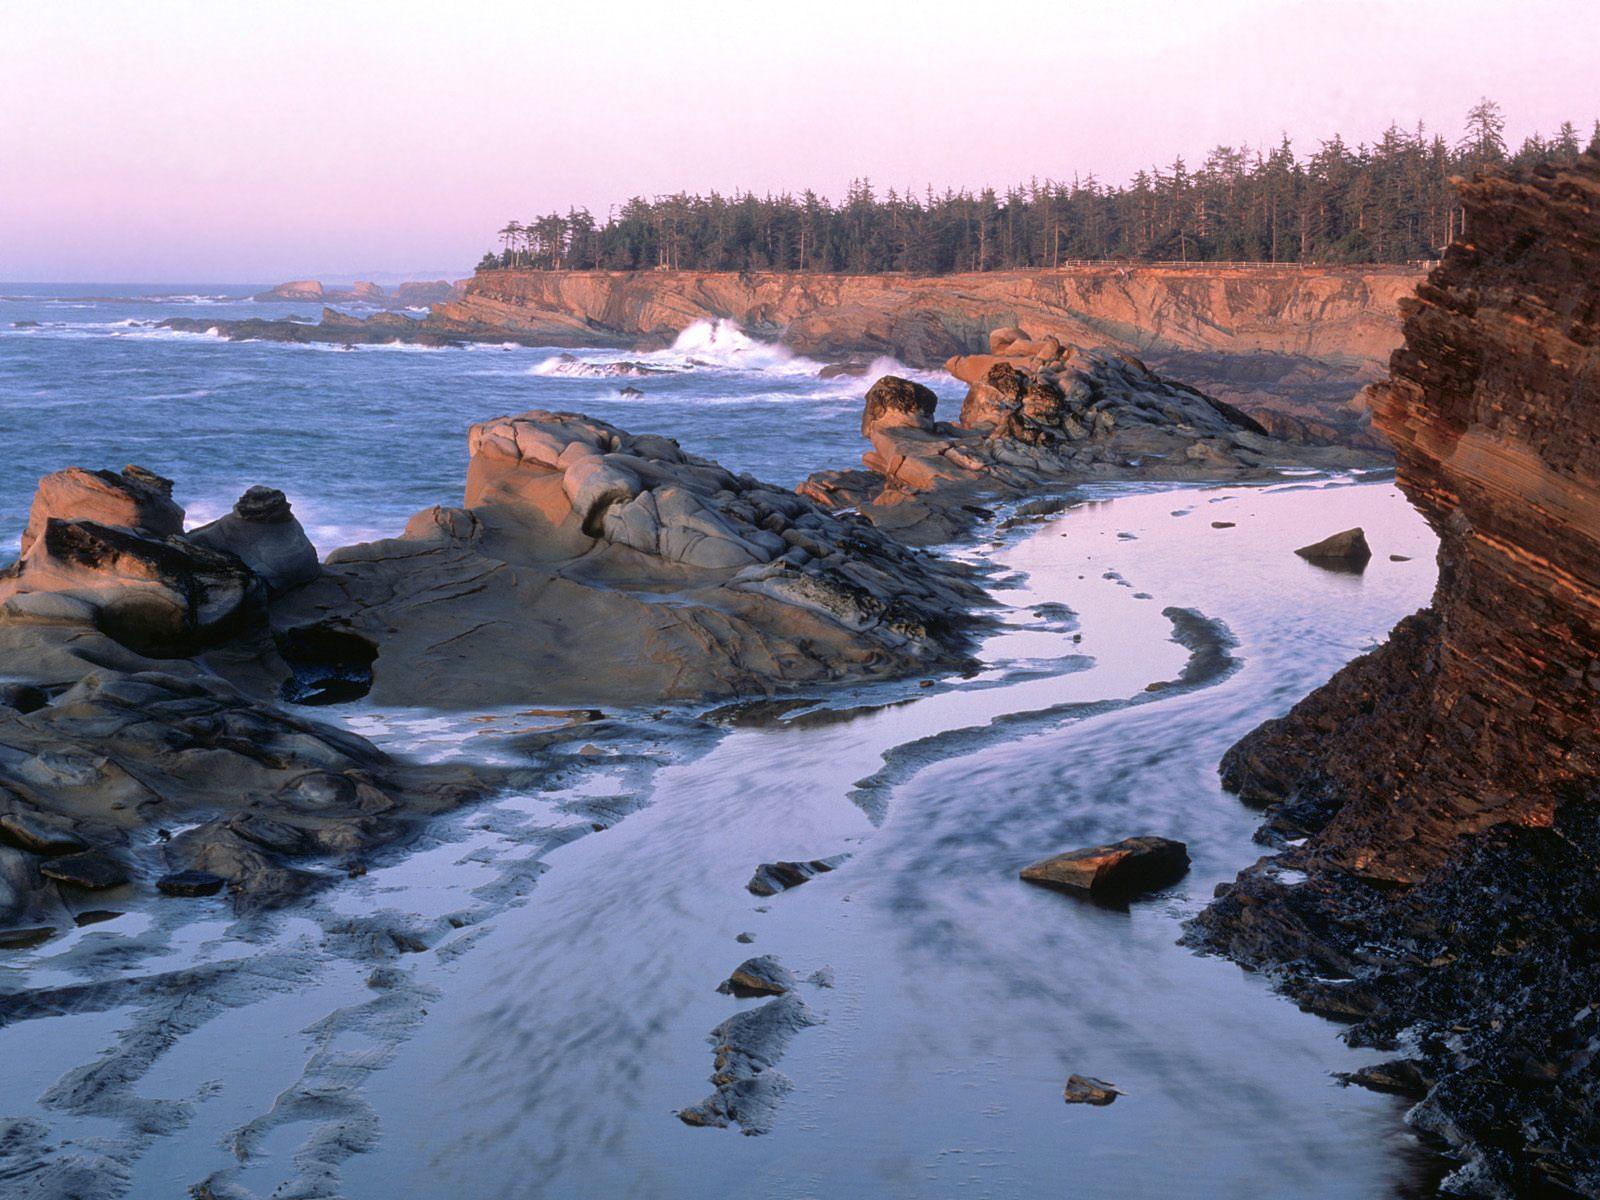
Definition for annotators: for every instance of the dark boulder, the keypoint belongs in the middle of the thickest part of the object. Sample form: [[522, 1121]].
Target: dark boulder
[[263, 533], [1347, 550], [90, 869]]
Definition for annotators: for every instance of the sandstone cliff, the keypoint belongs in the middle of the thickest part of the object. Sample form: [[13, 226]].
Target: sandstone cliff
[[1295, 345], [1444, 782], [1344, 315]]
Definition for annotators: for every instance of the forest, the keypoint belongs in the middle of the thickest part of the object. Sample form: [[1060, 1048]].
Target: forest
[[1390, 202]]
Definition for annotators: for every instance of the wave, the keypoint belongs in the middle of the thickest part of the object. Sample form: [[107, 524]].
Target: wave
[[721, 346]]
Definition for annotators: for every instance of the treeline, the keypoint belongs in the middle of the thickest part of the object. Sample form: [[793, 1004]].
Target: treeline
[[1388, 202]]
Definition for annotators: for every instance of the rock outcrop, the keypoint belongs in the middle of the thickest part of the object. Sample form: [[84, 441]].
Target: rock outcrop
[[407, 295], [268, 803], [1039, 416], [1445, 783], [591, 565]]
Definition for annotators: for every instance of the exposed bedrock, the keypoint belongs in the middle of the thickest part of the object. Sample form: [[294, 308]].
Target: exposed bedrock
[[592, 565], [1329, 314], [1037, 416], [1445, 782]]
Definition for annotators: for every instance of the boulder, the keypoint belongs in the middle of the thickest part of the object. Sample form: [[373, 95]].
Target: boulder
[[763, 976], [134, 499], [89, 869], [893, 401], [161, 597], [158, 596], [190, 883], [1347, 550], [262, 532], [1119, 870], [41, 833], [772, 878], [1000, 340], [1086, 1089]]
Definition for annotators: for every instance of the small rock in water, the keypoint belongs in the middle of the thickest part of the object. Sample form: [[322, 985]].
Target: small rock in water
[[26, 939], [1086, 1089], [745, 938], [630, 392], [90, 869], [1399, 558], [764, 976], [1122, 869], [190, 883], [1223, 524], [772, 878], [1344, 551]]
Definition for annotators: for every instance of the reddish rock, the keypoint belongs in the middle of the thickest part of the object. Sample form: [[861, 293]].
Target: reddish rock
[[1444, 783], [1125, 868], [893, 401], [134, 499]]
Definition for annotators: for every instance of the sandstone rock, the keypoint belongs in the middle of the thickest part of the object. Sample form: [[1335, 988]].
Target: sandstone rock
[[748, 1045], [597, 565], [1039, 414], [135, 499], [1121, 869], [298, 289], [1085, 1089], [772, 878], [1347, 549], [763, 976], [263, 533], [190, 883], [1444, 783], [894, 401], [89, 869], [41, 833], [160, 596]]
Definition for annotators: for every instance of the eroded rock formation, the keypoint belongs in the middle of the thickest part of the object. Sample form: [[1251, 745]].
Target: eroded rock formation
[[588, 564], [1444, 784], [1040, 415]]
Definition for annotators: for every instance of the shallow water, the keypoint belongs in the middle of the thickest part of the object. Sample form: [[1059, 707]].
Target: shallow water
[[541, 1043]]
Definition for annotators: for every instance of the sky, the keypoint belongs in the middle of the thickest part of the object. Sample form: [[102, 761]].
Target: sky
[[241, 142]]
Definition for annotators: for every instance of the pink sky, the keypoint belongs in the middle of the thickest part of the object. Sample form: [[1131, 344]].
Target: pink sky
[[220, 142]]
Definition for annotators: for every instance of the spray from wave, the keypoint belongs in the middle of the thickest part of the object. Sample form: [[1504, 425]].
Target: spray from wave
[[721, 347]]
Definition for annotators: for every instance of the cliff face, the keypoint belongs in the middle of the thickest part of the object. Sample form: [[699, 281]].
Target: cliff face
[[1342, 315], [1445, 780]]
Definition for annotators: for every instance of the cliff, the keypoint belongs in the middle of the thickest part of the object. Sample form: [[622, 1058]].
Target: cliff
[[1293, 344], [1343, 315], [1444, 783]]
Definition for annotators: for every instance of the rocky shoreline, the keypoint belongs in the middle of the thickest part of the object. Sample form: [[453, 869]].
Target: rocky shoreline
[[1292, 346], [1038, 418], [1432, 809]]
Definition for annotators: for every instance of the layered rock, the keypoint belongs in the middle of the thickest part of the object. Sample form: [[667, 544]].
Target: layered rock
[[108, 552], [1040, 415], [1444, 783], [588, 564]]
